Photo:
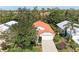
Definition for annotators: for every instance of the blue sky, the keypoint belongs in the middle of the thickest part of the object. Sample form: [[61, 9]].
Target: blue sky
[[39, 7]]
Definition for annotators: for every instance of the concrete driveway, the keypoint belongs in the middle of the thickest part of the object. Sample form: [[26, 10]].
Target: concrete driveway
[[48, 46]]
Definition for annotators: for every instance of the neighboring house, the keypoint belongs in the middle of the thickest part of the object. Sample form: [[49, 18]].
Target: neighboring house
[[75, 36], [45, 36], [4, 28]]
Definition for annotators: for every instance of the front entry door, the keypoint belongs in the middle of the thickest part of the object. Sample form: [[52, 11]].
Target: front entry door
[[40, 40]]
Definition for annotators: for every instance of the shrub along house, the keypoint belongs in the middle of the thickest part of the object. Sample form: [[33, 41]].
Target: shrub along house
[[45, 36]]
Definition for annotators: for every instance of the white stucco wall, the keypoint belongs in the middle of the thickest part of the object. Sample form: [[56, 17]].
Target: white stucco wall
[[47, 36]]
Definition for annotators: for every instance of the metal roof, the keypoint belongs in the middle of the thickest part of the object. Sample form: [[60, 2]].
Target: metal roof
[[6, 26], [61, 24]]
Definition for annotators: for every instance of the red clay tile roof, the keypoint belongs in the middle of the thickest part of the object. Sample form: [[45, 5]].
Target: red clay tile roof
[[44, 25]]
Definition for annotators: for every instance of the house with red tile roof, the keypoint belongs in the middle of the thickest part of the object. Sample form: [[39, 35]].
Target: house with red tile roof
[[42, 27], [45, 36]]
